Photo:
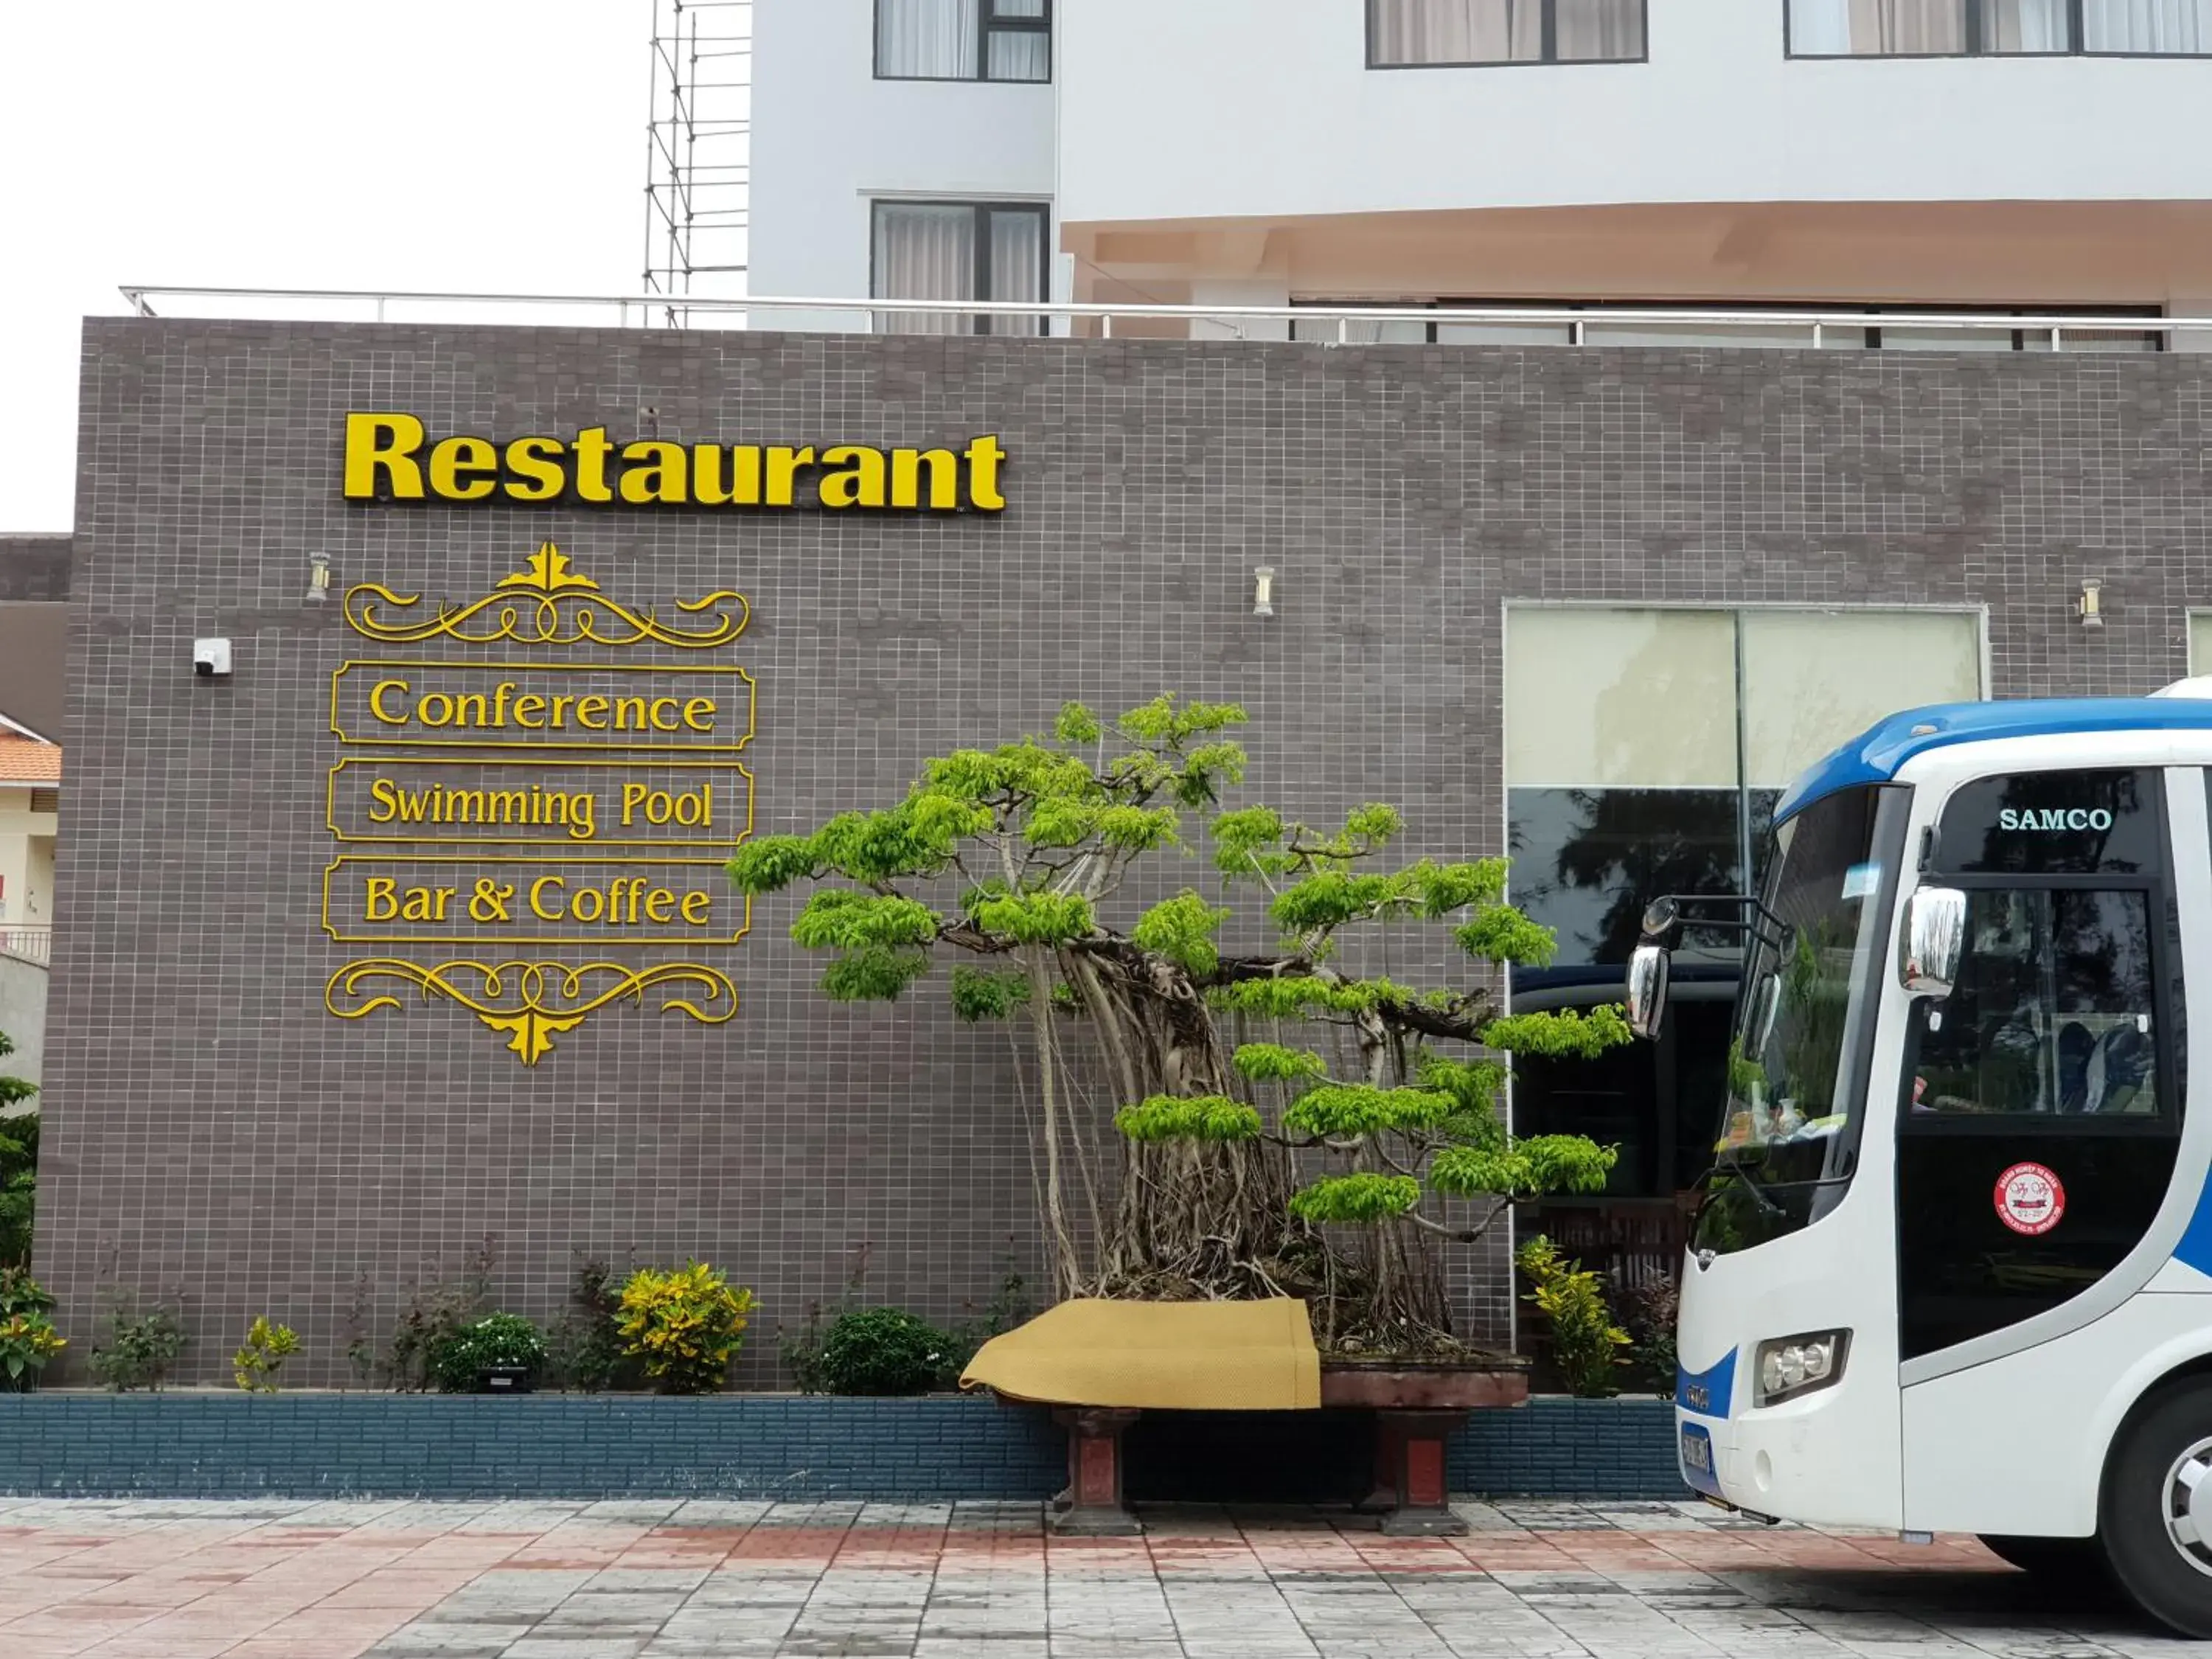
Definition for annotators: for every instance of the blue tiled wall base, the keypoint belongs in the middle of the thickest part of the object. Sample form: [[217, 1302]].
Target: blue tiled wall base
[[193, 1445]]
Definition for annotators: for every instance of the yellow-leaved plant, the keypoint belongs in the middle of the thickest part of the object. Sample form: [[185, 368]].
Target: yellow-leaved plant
[[254, 1367], [683, 1326]]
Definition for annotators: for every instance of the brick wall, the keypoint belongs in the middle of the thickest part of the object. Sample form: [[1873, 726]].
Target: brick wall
[[216, 1133]]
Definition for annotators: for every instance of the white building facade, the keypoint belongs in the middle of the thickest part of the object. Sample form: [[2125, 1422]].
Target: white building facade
[[2029, 155]]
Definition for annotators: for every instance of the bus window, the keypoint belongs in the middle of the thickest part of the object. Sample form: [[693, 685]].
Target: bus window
[[2052, 1014], [2053, 824]]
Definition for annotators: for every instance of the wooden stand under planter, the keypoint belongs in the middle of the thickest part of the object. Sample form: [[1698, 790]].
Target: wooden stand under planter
[[1092, 1506], [1417, 1409]]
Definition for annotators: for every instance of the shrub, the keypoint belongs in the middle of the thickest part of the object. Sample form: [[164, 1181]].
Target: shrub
[[495, 1341], [435, 1309], [1651, 1320], [584, 1348], [267, 1347], [882, 1351], [139, 1351], [683, 1326], [19, 1175], [1585, 1342], [27, 1337]]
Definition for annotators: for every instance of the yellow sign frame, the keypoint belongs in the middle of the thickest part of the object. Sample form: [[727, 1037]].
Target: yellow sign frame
[[572, 846], [486, 935], [715, 671]]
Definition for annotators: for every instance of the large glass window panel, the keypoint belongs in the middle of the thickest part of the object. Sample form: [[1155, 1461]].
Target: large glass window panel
[[1876, 28], [1597, 31], [929, 40], [1020, 55], [2024, 26], [1356, 330], [1016, 264], [1587, 861], [1504, 334], [1407, 32], [1597, 331], [2180, 27], [924, 251], [1814, 679], [1595, 697]]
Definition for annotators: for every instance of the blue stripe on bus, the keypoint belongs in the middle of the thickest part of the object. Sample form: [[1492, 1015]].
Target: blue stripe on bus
[[1707, 1392], [2195, 1249]]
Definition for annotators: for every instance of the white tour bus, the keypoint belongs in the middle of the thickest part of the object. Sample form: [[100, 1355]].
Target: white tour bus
[[1953, 1268]]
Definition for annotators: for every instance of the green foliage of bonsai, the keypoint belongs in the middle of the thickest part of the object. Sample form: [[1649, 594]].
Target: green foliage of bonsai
[[1586, 1343], [882, 1351], [498, 1341], [1286, 1123], [255, 1366]]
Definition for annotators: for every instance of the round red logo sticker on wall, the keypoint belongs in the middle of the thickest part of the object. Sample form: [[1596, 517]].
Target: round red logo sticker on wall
[[2030, 1199]]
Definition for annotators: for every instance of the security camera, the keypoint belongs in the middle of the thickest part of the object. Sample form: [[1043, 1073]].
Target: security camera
[[210, 658]]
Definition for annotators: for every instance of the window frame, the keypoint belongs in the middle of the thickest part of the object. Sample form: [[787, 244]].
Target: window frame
[[987, 23], [1549, 33], [980, 211], [2077, 38]]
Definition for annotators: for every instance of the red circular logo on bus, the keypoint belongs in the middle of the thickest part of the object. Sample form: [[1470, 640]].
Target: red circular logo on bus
[[2030, 1198]]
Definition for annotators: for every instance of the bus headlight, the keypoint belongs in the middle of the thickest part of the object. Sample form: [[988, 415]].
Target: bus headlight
[[1792, 1365]]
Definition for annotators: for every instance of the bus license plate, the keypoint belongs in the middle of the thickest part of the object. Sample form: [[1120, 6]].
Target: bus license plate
[[1697, 1459]]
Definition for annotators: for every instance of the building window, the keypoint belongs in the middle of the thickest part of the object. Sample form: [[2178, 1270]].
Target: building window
[[963, 40], [1436, 33], [1644, 749], [1951, 28], [958, 250]]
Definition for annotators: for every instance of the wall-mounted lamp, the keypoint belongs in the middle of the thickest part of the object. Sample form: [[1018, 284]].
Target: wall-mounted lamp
[[2087, 606], [1263, 587], [318, 577]]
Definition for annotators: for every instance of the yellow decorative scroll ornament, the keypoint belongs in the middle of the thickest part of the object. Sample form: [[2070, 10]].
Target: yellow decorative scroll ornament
[[531, 1002], [547, 602]]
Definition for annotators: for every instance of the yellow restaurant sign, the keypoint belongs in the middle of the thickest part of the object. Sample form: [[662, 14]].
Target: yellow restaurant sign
[[391, 457]]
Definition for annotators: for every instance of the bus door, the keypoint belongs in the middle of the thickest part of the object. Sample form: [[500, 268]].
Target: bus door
[[2041, 1113]]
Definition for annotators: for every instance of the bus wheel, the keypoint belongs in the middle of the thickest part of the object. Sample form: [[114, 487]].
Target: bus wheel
[[2156, 1510], [2068, 1560]]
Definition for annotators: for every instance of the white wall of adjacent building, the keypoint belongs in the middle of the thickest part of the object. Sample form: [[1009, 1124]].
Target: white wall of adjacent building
[[830, 139], [1242, 152], [1222, 109]]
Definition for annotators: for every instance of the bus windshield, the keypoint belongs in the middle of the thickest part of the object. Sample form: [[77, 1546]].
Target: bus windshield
[[1798, 1054]]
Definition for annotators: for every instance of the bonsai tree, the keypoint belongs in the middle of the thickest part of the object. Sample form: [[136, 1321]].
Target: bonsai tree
[[1037, 858]]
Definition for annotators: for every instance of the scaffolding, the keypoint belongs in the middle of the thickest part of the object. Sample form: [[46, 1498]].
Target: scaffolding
[[699, 154]]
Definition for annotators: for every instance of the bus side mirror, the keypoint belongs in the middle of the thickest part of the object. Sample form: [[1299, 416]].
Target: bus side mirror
[[1934, 939], [1647, 989]]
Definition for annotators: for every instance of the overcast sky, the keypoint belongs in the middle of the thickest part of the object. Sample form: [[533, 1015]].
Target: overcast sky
[[456, 145]]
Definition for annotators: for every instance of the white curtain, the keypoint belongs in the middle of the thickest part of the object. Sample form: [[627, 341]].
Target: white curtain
[[927, 39], [924, 252], [2024, 26], [1590, 30], [1878, 29], [2148, 26], [1016, 266], [1020, 55], [1458, 31]]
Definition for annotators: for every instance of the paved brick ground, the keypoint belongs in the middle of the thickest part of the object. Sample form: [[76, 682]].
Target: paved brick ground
[[152, 1580]]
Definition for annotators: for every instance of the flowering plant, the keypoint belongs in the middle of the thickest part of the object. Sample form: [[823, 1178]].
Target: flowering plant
[[684, 1326]]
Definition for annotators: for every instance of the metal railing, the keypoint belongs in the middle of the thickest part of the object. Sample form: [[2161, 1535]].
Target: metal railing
[[1335, 324]]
